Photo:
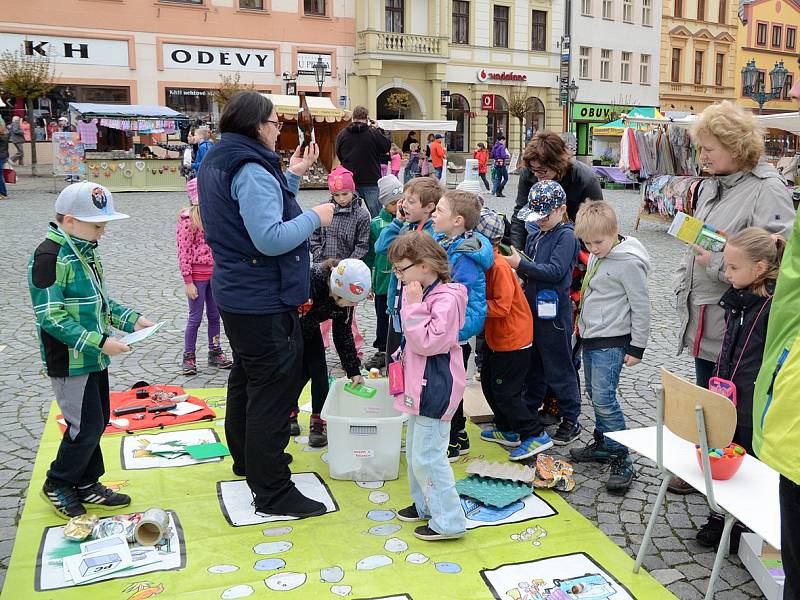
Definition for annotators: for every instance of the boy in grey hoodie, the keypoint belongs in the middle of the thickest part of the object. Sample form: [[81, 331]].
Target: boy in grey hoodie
[[614, 324]]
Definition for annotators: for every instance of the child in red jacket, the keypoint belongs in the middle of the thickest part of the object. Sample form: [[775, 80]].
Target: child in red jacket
[[482, 156], [197, 264], [506, 354]]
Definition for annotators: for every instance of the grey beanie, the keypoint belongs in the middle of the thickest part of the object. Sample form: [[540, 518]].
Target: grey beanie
[[389, 189]]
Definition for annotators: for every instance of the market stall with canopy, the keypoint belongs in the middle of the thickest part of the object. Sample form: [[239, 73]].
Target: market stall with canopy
[[117, 139], [309, 118]]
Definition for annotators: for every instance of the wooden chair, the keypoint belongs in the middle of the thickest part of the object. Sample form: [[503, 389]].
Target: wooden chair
[[701, 417]]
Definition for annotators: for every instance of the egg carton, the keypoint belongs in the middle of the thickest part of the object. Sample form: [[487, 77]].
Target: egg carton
[[504, 471], [493, 492]]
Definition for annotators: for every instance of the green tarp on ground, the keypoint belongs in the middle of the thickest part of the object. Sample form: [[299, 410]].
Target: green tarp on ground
[[358, 550]]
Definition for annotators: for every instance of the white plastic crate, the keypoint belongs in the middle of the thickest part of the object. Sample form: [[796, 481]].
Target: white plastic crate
[[363, 433]]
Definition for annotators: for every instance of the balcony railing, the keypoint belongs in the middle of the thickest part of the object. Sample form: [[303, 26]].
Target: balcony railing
[[705, 90], [401, 43]]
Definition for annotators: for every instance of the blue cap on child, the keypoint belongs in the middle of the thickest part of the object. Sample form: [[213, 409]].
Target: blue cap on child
[[544, 198]]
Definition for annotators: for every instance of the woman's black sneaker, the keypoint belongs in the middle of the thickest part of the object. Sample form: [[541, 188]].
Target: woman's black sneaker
[[424, 532]]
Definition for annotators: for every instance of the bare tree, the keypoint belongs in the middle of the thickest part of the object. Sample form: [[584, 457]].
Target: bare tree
[[29, 77], [398, 101], [229, 86], [517, 103]]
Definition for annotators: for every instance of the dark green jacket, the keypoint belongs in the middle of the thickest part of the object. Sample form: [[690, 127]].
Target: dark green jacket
[[73, 316]]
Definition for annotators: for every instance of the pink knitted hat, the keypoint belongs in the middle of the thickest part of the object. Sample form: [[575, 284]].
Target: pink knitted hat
[[341, 180]]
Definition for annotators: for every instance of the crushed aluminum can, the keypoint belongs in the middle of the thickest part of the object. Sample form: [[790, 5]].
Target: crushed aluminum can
[[79, 528], [117, 525]]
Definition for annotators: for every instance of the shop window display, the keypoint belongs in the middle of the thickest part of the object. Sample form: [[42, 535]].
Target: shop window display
[[458, 111]]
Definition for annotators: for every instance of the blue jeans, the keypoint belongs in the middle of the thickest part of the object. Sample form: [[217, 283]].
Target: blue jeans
[[438, 171], [433, 488], [370, 195], [3, 191], [500, 179], [601, 369]]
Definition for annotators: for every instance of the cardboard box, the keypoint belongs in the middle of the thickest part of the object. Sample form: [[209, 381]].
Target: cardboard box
[[760, 559]]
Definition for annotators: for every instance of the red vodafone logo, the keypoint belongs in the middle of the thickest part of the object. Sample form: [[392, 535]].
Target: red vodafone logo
[[484, 75]]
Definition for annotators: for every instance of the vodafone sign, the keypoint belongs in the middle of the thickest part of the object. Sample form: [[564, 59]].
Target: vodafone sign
[[484, 75]]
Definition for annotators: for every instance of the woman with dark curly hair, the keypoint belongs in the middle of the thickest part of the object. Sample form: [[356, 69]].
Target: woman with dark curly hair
[[546, 157]]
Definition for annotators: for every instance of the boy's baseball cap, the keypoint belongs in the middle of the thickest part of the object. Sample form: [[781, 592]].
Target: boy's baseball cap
[[390, 189], [351, 279], [88, 202], [438, 136], [544, 198]]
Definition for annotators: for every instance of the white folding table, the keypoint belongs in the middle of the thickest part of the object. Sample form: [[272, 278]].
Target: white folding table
[[751, 495]]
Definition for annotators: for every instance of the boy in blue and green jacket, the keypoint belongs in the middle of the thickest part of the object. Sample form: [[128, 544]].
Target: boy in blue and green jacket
[[414, 211], [73, 316]]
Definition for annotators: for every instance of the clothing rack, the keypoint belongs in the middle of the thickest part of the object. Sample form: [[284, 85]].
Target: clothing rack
[[680, 162]]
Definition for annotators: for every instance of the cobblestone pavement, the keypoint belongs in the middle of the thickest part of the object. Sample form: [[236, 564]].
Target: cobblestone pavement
[[139, 256]]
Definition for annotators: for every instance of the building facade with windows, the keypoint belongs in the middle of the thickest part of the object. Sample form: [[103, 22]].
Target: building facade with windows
[[768, 34], [698, 53], [471, 61], [612, 77], [174, 52]]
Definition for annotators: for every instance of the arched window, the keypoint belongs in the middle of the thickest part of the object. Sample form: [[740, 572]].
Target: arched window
[[534, 117], [458, 111], [497, 120]]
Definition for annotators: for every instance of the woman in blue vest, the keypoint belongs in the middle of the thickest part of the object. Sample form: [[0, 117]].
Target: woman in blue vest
[[258, 235]]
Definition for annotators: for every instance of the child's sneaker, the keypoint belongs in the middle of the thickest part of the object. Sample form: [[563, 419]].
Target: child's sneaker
[[317, 436], [424, 532], [621, 474], [453, 453], [294, 426], [531, 446], [597, 452], [504, 438], [63, 500], [99, 496], [409, 514], [463, 443], [189, 366], [567, 433], [216, 358]]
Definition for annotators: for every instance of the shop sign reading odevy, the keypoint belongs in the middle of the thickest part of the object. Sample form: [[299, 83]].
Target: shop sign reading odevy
[[216, 58]]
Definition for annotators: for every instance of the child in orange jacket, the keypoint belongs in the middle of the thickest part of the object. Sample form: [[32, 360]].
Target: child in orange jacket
[[506, 356]]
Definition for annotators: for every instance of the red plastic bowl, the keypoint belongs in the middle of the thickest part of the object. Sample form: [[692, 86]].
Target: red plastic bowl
[[723, 467]]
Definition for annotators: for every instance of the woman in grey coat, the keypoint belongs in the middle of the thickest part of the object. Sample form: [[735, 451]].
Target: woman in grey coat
[[17, 137], [743, 191]]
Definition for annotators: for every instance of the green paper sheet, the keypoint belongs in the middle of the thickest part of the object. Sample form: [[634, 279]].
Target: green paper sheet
[[203, 451]]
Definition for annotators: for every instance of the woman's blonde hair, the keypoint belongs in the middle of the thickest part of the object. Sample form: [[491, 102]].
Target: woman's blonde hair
[[596, 217], [194, 216], [419, 247], [757, 245], [737, 131]]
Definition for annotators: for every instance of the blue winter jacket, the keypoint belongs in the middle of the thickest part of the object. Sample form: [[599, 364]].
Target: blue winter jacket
[[553, 254], [385, 239], [202, 150], [470, 256]]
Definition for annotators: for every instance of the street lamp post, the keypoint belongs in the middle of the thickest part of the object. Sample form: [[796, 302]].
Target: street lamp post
[[753, 89], [572, 90], [319, 68]]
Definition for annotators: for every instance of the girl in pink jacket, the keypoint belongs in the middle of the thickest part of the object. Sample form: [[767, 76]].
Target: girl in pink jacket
[[432, 313], [197, 265]]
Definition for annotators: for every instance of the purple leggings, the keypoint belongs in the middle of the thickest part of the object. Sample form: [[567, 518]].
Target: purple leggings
[[204, 298]]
